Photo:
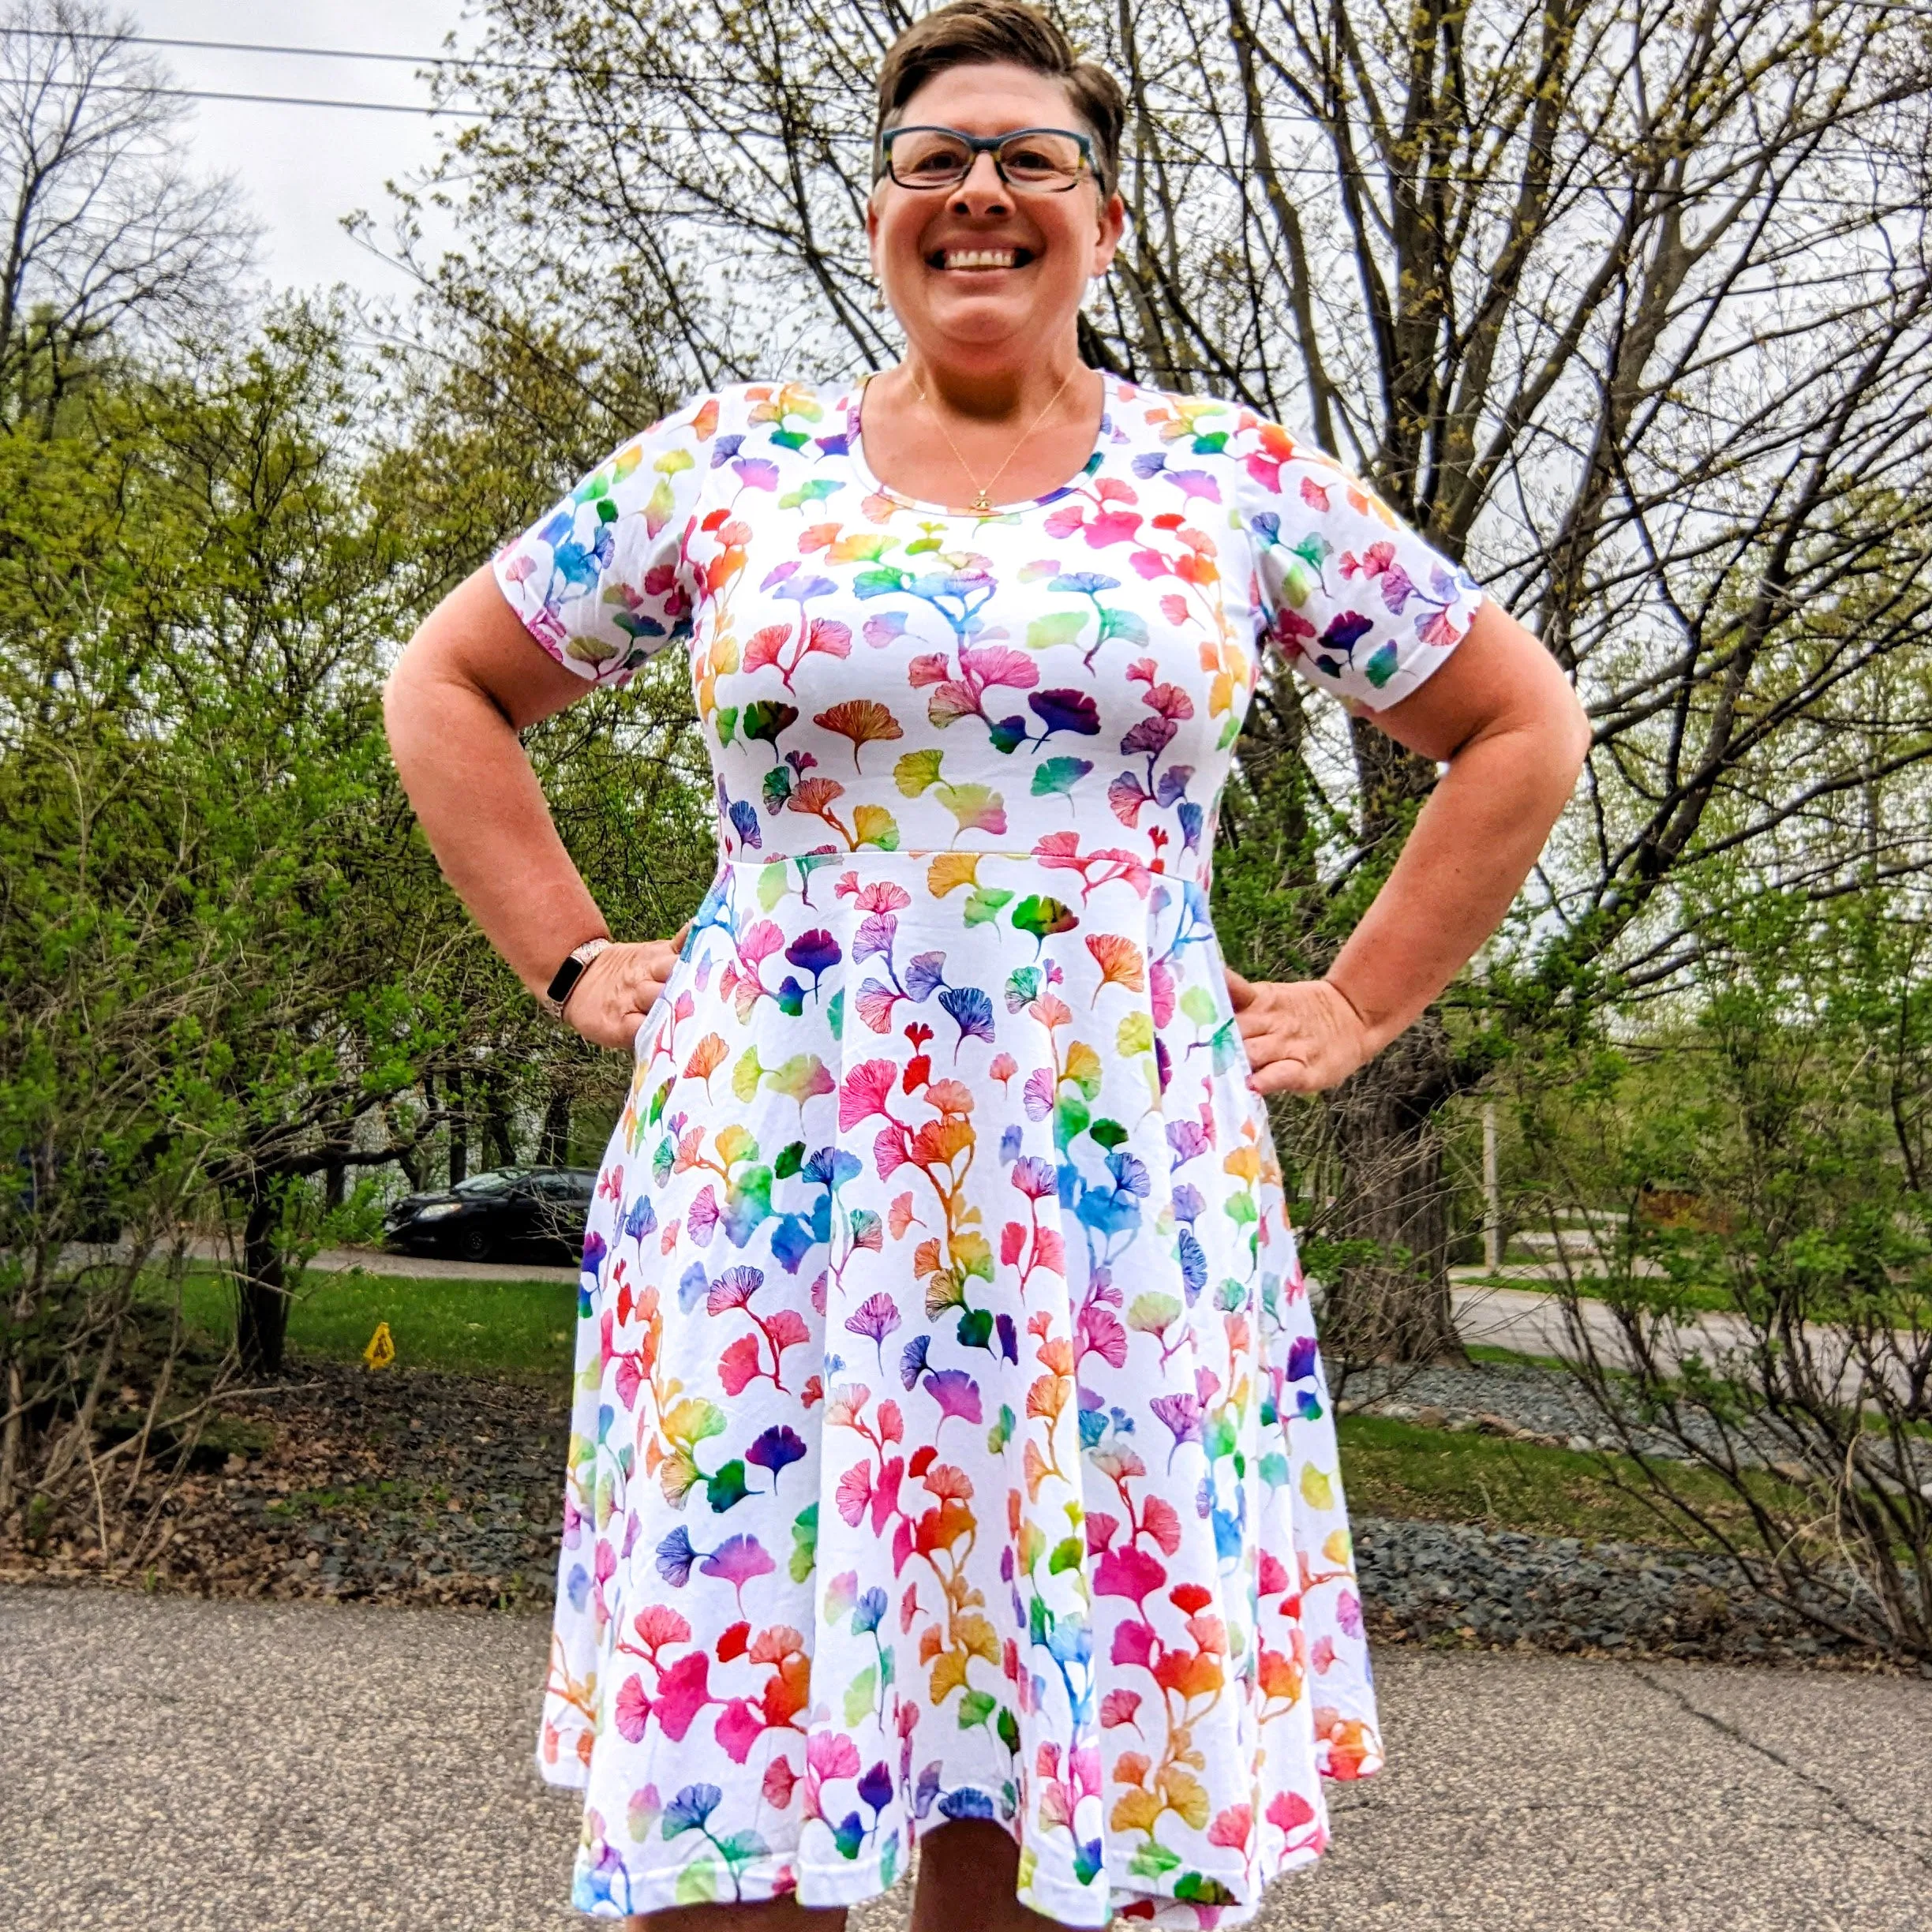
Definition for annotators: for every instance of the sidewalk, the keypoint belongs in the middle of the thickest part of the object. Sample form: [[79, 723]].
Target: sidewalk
[[175, 1765]]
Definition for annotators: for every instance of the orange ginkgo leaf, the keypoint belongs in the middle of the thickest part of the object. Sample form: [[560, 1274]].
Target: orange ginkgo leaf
[[1120, 962], [864, 720], [706, 1057]]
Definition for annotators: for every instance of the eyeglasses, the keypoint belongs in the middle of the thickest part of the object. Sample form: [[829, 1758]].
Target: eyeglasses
[[1031, 161]]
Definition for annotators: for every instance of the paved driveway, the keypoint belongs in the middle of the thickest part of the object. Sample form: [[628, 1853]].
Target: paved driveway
[[172, 1765]]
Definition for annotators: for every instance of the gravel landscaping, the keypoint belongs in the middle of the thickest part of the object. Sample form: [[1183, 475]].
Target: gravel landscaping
[[1461, 1584], [1536, 1404]]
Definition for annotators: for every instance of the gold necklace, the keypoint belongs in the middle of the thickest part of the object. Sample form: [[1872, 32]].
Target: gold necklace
[[982, 493]]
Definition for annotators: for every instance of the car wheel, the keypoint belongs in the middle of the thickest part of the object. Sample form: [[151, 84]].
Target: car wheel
[[474, 1244]]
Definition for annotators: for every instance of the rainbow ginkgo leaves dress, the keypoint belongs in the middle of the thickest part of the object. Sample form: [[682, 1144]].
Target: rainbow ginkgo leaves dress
[[950, 1438]]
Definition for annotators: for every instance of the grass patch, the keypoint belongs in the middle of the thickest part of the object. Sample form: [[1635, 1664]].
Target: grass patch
[[1697, 1298], [522, 1330], [1392, 1468]]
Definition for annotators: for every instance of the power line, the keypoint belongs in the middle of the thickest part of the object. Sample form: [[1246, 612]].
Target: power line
[[675, 83], [1910, 9], [435, 109]]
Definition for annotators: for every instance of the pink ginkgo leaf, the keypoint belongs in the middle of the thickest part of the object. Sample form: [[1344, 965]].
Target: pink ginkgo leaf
[[738, 1560]]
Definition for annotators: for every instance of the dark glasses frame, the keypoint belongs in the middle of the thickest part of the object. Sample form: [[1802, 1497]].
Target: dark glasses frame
[[978, 144]]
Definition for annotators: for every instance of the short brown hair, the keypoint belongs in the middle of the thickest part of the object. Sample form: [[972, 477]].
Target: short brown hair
[[972, 33]]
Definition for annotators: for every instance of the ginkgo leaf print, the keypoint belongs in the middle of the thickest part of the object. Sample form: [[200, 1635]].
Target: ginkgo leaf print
[[706, 1057], [766, 720], [863, 721], [1041, 916], [875, 1318], [974, 807], [1122, 963]]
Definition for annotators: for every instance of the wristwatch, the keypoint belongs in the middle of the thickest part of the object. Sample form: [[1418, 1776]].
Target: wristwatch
[[556, 994]]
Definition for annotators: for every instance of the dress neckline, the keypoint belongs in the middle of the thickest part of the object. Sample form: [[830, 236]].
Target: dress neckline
[[855, 452]]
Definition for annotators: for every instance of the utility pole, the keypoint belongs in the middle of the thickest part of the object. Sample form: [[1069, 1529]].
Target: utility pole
[[1493, 1192]]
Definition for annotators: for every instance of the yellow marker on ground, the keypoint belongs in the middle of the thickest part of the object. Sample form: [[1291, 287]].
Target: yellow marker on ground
[[381, 1350]]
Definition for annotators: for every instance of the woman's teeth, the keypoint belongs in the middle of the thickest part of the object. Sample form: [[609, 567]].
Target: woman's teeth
[[983, 258]]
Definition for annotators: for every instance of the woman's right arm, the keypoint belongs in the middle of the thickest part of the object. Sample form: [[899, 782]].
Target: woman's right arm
[[472, 679]]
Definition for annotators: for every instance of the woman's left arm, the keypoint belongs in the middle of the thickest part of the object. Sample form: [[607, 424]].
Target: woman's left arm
[[1502, 716]]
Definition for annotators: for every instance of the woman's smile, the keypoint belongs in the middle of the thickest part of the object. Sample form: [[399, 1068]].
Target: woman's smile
[[981, 260]]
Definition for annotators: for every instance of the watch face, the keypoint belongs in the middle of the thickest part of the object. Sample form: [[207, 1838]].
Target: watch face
[[567, 974]]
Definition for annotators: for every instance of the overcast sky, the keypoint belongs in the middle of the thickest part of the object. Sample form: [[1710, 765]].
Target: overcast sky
[[302, 169]]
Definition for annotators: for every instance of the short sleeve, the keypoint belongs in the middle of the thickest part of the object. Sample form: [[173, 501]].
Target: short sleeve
[[1361, 604], [598, 579]]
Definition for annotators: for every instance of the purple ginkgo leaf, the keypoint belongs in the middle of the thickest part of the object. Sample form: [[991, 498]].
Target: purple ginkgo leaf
[[776, 1449], [956, 1394], [738, 1559], [1183, 1415], [876, 1317]]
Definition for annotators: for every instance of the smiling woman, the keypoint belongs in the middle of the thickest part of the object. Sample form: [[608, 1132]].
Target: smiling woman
[[953, 1460]]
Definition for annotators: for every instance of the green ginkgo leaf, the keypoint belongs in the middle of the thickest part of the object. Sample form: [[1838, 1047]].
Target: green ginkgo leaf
[[746, 1074], [917, 772], [764, 719], [860, 1695], [728, 1487], [1055, 627], [804, 1543], [975, 1708], [1059, 775], [1042, 915], [1198, 1004], [983, 904]]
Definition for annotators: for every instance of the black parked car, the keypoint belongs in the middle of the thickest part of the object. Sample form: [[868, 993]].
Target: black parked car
[[522, 1213]]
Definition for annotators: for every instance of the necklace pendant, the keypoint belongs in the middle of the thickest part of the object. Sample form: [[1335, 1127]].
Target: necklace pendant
[[982, 503]]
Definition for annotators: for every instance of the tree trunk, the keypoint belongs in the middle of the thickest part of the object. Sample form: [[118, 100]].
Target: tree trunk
[[553, 1143], [498, 1130], [1392, 1303], [335, 1184], [261, 1301], [457, 1094]]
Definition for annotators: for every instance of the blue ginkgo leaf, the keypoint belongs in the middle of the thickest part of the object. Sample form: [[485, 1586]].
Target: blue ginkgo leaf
[[745, 823], [640, 1219], [691, 1809], [1008, 1337], [971, 1010], [967, 1803], [869, 1614], [693, 1286], [875, 1789], [912, 1363], [675, 1556], [1193, 1261]]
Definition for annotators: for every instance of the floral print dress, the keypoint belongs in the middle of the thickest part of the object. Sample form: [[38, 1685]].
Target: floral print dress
[[950, 1439]]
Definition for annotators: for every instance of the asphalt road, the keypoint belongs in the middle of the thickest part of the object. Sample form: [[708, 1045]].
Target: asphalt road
[[173, 1765]]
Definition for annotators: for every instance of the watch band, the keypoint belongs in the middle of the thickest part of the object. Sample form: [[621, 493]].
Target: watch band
[[555, 996]]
